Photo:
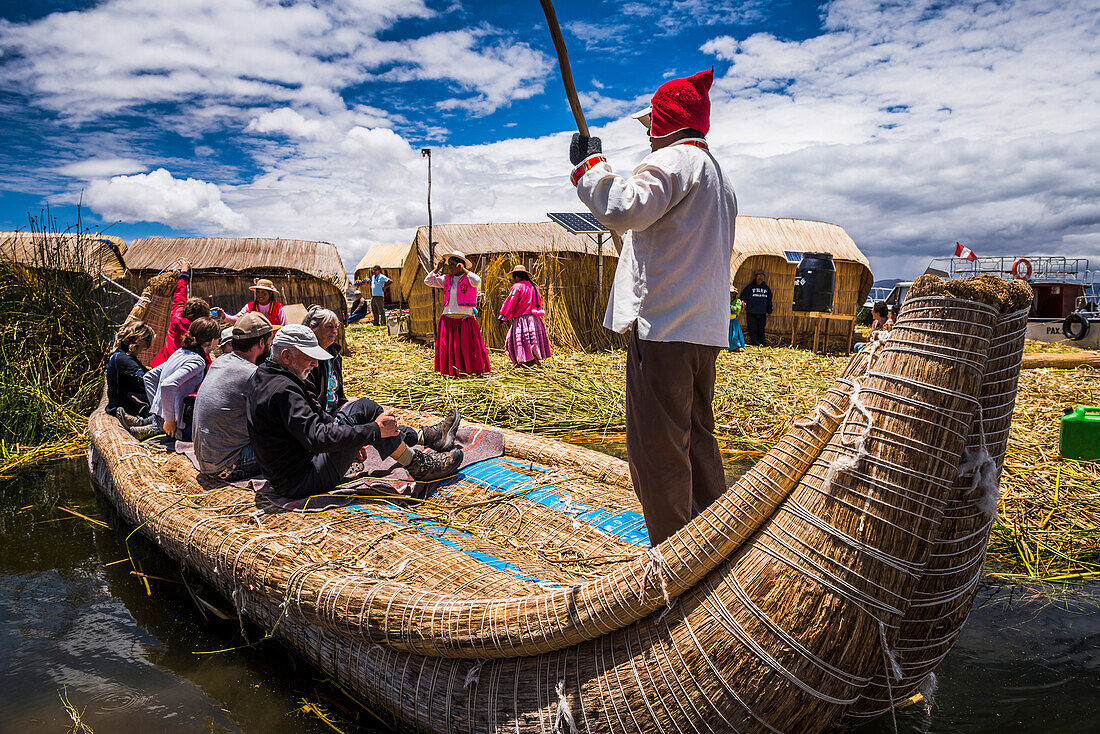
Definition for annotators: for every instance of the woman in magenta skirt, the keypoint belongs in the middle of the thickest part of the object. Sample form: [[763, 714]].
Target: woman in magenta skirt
[[459, 346], [527, 342]]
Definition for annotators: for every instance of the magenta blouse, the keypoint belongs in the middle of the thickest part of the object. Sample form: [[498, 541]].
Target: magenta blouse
[[523, 299]]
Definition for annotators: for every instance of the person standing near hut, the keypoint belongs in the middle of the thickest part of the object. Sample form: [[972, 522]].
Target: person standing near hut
[[459, 345], [670, 290], [757, 296], [378, 283], [527, 341], [263, 302], [184, 311], [737, 337]]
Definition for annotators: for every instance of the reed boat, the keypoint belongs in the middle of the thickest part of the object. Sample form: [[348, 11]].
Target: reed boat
[[522, 594]]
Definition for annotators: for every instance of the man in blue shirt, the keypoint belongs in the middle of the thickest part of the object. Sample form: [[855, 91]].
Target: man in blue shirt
[[758, 304], [378, 283]]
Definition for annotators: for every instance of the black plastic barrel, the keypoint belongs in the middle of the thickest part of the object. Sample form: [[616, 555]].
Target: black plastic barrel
[[814, 280]]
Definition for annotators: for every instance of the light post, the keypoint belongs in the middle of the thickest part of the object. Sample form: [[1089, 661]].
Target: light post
[[427, 153]]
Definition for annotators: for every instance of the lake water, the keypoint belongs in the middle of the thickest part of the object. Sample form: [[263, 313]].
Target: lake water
[[74, 621]]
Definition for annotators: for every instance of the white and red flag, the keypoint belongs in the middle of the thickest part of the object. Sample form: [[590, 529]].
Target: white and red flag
[[966, 252]]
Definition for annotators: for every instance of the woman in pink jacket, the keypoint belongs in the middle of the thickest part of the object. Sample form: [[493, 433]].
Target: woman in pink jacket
[[527, 341], [184, 311]]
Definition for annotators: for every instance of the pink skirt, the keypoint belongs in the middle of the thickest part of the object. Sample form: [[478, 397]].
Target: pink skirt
[[459, 347], [527, 339]]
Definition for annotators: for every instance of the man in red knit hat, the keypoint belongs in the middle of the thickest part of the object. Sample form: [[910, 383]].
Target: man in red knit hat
[[671, 292]]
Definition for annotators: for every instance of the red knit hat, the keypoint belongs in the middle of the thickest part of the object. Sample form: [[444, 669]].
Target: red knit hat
[[682, 103]]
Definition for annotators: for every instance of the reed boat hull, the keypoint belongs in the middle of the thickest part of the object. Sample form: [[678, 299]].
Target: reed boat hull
[[529, 604]]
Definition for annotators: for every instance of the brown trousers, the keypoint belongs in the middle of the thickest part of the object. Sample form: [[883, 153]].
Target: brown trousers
[[378, 310], [675, 462]]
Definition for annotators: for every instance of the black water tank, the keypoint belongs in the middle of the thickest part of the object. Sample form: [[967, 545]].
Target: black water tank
[[813, 282]]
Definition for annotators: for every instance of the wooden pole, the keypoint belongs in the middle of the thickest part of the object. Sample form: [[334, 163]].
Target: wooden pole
[[567, 80]]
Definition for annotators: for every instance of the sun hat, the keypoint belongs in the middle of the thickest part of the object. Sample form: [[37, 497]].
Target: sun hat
[[263, 284], [518, 269], [226, 337], [461, 256], [251, 325], [301, 338]]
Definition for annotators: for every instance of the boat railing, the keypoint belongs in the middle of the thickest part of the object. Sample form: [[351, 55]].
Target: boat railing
[[1046, 268]]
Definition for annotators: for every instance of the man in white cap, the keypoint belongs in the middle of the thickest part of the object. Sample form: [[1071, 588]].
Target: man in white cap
[[459, 345], [670, 293], [303, 450], [222, 445]]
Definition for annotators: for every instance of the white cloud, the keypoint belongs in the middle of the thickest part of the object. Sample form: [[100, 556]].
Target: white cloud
[[102, 167], [159, 197]]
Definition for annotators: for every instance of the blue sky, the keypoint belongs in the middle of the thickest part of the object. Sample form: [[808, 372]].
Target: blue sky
[[911, 124]]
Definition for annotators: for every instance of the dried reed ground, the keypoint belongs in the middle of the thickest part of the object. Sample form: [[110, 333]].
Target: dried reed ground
[[1048, 527]]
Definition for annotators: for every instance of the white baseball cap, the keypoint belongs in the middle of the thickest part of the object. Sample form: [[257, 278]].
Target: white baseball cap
[[301, 338]]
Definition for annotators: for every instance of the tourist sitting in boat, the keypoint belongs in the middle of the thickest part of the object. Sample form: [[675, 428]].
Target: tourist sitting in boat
[[302, 450], [125, 386], [184, 311], [527, 341], [225, 341], [169, 385], [459, 346], [264, 302], [326, 381], [222, 445]]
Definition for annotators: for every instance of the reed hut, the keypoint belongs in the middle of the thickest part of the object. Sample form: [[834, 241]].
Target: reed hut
[[566, 268], [223, 268], [95, 254], [776, 246], [391, 258]]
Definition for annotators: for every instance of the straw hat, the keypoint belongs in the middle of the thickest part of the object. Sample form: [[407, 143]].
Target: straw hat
[[461, 256], [518, 269], [263, 284]]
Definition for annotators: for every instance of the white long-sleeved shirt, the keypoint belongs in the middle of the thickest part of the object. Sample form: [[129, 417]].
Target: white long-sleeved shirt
[[673, 276], [452, 307]]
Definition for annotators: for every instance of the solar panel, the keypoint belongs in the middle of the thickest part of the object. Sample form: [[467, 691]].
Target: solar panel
[[793, 256], [578, 222]]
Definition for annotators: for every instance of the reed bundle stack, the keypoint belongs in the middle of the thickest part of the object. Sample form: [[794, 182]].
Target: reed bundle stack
[[523, 595], [565, 267], [82, 252], [776, 247], [222, 268]]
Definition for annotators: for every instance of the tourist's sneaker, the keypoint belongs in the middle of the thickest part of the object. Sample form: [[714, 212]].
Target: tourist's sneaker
[[144, 433], [430, 467], [130, 421], [441, 436]]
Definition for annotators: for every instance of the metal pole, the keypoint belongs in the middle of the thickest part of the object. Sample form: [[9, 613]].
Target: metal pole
[[427, 153], [599, 267]]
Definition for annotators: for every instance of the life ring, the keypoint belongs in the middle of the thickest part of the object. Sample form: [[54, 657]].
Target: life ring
[[1080, 320], [1021, 262]]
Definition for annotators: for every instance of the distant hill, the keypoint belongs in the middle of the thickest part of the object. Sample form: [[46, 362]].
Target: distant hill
[[888, 282]]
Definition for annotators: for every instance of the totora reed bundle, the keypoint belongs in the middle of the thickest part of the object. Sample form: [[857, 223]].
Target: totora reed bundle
[[518, 606]]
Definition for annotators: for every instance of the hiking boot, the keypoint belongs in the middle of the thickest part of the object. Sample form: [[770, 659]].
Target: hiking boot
[[144, 433], [130, 421], [441, 436], [430, 467]]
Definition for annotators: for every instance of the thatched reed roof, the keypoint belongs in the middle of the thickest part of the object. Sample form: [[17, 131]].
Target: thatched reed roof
[[240, 254], [386, 256], [768, 236], [488, 239], [91, 253]]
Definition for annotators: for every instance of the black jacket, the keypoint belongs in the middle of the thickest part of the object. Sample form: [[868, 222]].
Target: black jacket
[[757, 298], [125, 386], [288, 428], [324, 373]]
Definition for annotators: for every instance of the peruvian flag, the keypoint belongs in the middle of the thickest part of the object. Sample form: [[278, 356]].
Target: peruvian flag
[[966, 252]]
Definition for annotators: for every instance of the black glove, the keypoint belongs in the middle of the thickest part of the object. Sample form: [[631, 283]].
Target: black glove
[[580, 148]]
